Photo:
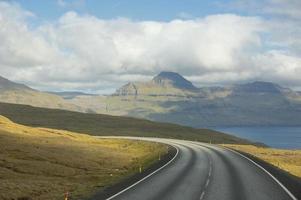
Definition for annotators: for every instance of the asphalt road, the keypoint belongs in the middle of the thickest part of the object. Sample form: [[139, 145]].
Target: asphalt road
[[205, 172]]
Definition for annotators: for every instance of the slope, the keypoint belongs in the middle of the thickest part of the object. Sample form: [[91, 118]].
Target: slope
[[98, 124], [39, 163], [11, 92]]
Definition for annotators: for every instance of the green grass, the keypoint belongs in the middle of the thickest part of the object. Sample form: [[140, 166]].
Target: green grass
[[105, 125], [39, 163]]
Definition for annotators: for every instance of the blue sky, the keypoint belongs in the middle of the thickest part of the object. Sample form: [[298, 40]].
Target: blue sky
[[97, 46], [163, 10]]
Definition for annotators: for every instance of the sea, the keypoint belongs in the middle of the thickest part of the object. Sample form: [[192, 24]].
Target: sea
[[277, 136]]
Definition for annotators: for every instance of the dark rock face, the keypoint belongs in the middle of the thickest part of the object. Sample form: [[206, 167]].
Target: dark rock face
[[166, 79], [129, 89], [6, 84]]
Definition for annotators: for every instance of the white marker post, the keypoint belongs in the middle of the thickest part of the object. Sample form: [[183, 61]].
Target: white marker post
[[66, 195]]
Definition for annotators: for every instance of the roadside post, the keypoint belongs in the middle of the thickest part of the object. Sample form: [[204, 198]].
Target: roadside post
[[66, 195]]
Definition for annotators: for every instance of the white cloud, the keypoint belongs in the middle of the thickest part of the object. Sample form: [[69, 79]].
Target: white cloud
[[82, 51], [278, 65], [122, 46], [289, 8]]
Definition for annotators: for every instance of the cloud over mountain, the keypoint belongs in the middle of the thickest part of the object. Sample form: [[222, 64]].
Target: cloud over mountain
[[82, 51]]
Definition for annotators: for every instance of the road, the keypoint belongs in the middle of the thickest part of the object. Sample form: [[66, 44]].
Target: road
[[205, 172]]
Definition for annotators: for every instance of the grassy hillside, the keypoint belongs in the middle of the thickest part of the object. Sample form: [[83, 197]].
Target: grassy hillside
[[37, 98], [39, 163], [288, 160], [104, 125]]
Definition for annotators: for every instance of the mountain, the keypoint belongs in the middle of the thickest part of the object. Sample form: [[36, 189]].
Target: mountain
[[11, 92], [164, 84], [6, 84], [259, 87], [172, 79], [169, 97]]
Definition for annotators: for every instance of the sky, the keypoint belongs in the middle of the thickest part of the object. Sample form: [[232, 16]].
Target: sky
[[98, 45]]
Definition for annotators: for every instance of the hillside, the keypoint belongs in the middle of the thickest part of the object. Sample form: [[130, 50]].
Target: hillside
[[164, 84], [39, 163], [104, 125], [11, 92], [257, 103], [6, 84], [169, 97]]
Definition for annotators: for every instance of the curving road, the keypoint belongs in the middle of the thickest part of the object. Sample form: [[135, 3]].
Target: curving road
[[205, 172]]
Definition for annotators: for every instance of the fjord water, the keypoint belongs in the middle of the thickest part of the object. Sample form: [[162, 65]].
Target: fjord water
[[276, 137]]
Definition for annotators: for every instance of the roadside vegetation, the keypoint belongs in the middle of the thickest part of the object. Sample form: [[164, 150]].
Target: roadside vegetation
[[40, 163], [288, 160]]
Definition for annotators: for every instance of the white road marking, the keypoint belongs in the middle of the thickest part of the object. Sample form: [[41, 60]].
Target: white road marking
[[259, 166], [208, 176], [210, 171], [202, 195], [273, 177], [207, 182], [122, 191]]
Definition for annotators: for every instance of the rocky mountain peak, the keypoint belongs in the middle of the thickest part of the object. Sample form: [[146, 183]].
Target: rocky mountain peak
[[128, 89], [172, 79]]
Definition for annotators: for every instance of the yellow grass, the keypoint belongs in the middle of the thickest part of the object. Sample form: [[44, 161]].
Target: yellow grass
[[288, 160], [39, 163]]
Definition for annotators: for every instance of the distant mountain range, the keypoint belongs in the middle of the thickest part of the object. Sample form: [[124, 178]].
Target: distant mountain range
[[11, 92], [169, 97]]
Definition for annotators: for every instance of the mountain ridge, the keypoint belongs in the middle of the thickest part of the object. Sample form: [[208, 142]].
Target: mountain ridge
[[167, 79], [260, 87], [6, 84], [11, 92], [255, 103], [173, 84], [169, 97]]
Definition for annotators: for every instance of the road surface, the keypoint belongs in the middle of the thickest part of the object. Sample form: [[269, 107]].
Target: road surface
[[205, 172]]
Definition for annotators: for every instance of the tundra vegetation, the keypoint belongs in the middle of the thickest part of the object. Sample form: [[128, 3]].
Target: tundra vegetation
[[106, 125], [288, 160], [41, 163]]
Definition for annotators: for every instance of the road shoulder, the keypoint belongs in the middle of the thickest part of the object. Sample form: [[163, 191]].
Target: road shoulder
[[292, 183], [111, 190]]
